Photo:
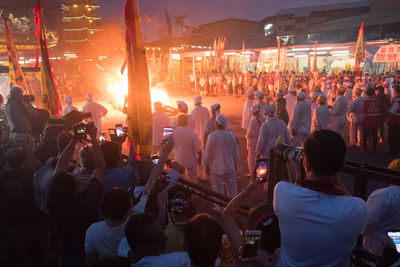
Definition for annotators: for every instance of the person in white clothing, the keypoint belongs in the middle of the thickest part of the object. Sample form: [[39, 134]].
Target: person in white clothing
[[319, 220], [252, 136], [183, 109], [103, 238], [260, 101], [291, 103], [356, 119], [383, 214], [200, 116], [301, 124], [339, 111], [322, 115], [69, 107], [187, 148], [246, 117], [98, 111], [221, 155], [210, 123], [160, 120], [271, 129]]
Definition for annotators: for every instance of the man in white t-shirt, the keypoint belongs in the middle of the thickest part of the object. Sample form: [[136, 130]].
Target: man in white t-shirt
[[103, 238], [200, 115], [318, 219]]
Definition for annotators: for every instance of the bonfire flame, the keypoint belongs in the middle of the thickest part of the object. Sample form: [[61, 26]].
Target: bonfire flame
[[119, 88]]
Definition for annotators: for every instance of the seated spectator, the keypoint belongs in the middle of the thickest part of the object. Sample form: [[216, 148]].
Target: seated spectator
[[117, 176], [102, 238], [180, 209], [84, 173], [146, 239], [203, 240], [74, 211], [21, 219], [319, 221], [383, 214]]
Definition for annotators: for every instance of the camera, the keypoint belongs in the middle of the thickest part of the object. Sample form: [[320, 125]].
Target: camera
[[80, 130], [289, 153]]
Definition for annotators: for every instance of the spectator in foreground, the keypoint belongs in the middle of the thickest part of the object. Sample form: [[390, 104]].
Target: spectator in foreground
[[73, 211], [203, 240], [383, 214], [318, 219], [103, 238]]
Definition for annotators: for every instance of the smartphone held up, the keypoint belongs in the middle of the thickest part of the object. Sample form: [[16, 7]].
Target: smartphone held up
[[261, 170]]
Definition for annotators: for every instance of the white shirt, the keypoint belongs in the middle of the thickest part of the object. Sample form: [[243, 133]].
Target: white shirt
[[290, 104], [67, 109], [97, 112], [339, 110], [322, 118], [174, 259], [186, 146], [221, 152], [104, 240], [160, 120], [395, 109], [302, 117], [383, 216], [246, 117], [357, 109], [200, 115], [269, 132], [254, 131], [317, 229]]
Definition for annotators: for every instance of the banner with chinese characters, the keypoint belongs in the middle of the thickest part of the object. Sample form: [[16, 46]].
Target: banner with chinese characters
[[388, 53]]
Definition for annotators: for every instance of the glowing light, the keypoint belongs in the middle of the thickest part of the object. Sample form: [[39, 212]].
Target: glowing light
[[89, 9], [199, 58], [91, 32], [75, 5], [119, 88], [208, 53], [176, 56], [90, 20]]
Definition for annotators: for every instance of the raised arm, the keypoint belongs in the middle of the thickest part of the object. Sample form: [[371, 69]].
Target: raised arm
[[66, 156]]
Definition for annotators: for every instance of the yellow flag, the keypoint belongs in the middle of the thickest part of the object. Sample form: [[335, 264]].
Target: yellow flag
[[15, 72], [140, 121]]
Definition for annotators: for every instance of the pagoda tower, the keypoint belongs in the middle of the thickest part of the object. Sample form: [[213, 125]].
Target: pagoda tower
[[81, 24]]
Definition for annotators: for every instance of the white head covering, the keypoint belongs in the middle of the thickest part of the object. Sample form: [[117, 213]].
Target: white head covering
[[89, 97], [182, 106], [250, 93], [221, 120], [215, 107], [197, 100], [68, 99], [255, 108]]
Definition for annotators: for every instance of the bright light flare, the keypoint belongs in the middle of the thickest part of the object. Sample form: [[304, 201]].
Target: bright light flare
[[118, 87]]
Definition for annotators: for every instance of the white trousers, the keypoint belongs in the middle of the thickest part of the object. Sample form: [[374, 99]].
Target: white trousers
[[228, 179]]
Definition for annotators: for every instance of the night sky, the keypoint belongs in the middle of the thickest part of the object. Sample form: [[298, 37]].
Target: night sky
[[202, 11]]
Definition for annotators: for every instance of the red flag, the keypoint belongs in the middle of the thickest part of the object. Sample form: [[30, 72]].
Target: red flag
[[49, 89]]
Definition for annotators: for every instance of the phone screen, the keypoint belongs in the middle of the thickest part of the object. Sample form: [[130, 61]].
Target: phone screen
[[81, 130], [261, 170], [395, 236], [167, 131], [102, 137], [251, 243], [119, 130]]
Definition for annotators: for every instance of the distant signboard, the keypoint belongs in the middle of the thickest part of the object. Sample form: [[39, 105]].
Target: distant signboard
[[388, 53]]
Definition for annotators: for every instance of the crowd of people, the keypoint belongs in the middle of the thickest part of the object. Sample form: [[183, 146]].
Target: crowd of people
[[69, 198]]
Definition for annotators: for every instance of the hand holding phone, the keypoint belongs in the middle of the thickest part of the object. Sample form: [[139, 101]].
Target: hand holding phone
[[261, 170], [119, 130], [251, 243], [167, 133], [102, 137]]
